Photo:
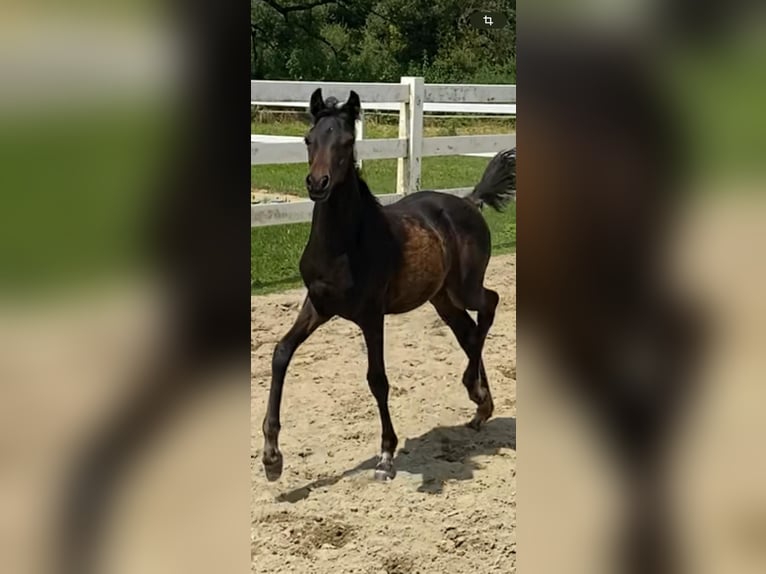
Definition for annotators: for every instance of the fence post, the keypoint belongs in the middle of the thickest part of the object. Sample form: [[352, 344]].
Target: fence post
[[359, 128], [411, 129]]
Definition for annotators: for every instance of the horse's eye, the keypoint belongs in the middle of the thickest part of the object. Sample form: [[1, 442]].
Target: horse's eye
[[306, 140]]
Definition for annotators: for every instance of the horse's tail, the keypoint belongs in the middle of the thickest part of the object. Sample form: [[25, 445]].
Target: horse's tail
[[498, 184]]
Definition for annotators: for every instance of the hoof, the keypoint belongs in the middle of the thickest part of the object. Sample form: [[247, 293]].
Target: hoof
[[475, 423], [385, 474], [273, 466], [483, 413], [385, 470]]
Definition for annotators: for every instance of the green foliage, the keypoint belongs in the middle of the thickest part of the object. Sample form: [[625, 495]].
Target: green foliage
[[380, 40]]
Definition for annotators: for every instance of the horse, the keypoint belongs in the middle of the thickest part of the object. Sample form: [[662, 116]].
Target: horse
[[364, 261]]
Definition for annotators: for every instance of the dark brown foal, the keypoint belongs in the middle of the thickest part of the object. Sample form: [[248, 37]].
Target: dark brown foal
[[364, 261]]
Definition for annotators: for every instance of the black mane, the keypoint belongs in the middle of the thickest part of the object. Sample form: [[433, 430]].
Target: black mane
[[364, 190]]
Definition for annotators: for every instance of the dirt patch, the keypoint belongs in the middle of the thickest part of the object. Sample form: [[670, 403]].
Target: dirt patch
[[305, 535], [399, 564], [452, 505]]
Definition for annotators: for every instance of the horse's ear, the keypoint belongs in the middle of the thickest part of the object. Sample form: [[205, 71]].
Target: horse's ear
[[317, 102], [353, 106]]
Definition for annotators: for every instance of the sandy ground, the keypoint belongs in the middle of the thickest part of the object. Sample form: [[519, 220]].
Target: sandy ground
[[452, 506]]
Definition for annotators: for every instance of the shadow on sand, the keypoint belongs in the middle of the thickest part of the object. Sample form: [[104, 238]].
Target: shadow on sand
[[441, 454]]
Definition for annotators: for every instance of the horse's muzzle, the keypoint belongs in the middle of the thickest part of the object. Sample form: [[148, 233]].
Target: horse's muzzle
[[318, 190]]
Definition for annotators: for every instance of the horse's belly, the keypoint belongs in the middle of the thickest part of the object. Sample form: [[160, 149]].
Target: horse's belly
[[422, 273]]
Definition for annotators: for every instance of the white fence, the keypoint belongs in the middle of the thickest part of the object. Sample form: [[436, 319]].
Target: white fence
[[428, 107], [411, 95]]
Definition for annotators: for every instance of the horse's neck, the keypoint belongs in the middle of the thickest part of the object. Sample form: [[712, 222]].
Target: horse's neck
[[350, 238], [337, 223]]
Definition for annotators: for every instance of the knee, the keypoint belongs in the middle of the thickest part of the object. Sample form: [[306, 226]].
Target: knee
[[485, 302], [491, 299]]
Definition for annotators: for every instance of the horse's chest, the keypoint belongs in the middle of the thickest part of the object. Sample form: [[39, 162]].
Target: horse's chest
[[329, 283]]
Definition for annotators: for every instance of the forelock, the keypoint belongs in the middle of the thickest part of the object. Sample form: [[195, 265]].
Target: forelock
[[333, 112]]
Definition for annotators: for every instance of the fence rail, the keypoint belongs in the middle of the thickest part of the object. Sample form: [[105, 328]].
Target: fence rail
[[470, 93], [408, 149], [453, 109], [295, 151], [264, 90], [457, 145]]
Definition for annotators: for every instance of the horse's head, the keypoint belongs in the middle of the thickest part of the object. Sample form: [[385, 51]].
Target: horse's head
[[330, 144]]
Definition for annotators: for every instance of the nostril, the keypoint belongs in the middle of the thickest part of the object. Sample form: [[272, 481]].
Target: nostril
[[308, 181], [324, 182]]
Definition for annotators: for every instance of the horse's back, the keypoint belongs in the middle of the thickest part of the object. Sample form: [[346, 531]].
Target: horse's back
[[457, 220], [445, 211]]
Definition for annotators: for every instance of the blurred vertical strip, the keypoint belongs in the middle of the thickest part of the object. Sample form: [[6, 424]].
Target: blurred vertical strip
[[124, 287], [641, 266]]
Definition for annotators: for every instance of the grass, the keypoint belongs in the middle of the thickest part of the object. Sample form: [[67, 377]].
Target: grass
[[383, 125], [437, 173], [80, 181], [275, 251], [718, 96]]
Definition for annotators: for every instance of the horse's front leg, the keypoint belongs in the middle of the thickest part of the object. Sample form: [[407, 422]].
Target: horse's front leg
[[376, 378], [307, 322]]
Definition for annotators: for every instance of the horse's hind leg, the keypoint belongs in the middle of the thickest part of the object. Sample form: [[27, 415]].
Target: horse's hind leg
[[484, 301], [468, 336], [307, 322]]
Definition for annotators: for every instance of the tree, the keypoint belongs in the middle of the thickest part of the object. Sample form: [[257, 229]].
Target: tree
[[380, 40]]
